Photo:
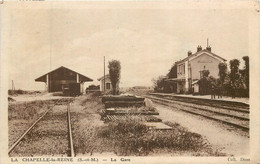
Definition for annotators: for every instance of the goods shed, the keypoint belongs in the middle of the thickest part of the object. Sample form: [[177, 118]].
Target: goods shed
[[62, 79]]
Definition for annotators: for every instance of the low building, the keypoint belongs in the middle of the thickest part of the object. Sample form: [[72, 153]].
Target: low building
[[108, 84], [189, 70], [61, 78]]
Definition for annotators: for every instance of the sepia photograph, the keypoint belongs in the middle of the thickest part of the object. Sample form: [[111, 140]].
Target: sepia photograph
[[130, 82]]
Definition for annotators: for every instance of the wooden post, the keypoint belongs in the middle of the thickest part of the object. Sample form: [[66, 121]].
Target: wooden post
[[48, 83], [77, 78]]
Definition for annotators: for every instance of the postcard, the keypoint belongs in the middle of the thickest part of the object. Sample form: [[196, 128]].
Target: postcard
[[129, 82]]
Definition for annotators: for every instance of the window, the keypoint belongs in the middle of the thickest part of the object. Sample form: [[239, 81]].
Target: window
[[181, 69], [107, 85]]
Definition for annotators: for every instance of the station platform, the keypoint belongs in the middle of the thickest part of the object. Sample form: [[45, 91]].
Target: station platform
[[206, 97]]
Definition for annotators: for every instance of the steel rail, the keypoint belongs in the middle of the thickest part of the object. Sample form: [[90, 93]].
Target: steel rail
[[206, 116], [72, 153], [199, 102], [206, 110]]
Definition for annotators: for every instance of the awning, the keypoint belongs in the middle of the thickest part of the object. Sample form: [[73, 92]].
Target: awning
[[195, 82], [176, 79]]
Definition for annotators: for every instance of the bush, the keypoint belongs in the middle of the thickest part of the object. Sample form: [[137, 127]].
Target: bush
[[20, 92], [161, 85], [15, 92], [10, 99], [91, 97]]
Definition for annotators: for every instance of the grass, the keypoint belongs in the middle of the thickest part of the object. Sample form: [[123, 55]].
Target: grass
[[21, 116], [31, 109], [91, 97], [48, 137], [91, 135], [139, 92], [128, 136], [132, 137], [86, 120], [141, 109], [28, 110], [10, 99]]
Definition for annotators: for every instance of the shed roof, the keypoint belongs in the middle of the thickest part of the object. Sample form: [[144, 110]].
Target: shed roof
[[43, 78]]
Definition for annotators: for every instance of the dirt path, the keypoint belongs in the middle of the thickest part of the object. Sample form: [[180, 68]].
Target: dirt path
[[223, 138]]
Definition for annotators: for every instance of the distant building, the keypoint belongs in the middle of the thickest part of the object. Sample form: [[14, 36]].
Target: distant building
[[189, 70], [61, 78], [108, 85]]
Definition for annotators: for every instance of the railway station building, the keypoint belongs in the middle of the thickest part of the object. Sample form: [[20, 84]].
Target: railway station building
[[62, 78], [189, 69]]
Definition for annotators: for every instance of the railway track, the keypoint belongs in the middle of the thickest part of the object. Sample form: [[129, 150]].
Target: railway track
[[70, 151], [227, 115], [237, 106]]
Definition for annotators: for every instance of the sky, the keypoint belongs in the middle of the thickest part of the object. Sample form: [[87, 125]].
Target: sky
[[147, 41]]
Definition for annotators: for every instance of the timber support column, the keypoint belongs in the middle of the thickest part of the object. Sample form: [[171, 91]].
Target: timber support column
[[47, 83], [77, 78], [186, 77]]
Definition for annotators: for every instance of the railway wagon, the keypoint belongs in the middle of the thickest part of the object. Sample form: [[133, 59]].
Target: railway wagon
[[73, 89]]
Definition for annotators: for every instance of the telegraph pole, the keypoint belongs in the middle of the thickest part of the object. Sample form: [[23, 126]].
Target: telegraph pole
[[104, 73]]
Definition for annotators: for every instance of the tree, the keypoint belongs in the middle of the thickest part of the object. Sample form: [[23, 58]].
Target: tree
[[222, 72], [157, 83], [234, 75], [205, 83], [173, 71], [172, 87], [205, 73], [160, 85], [234, 68], [246, 72], [114, 67]]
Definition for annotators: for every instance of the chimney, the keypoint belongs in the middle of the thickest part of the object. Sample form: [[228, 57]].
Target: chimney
[[208, 48], [199, 48], [189, 53]]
